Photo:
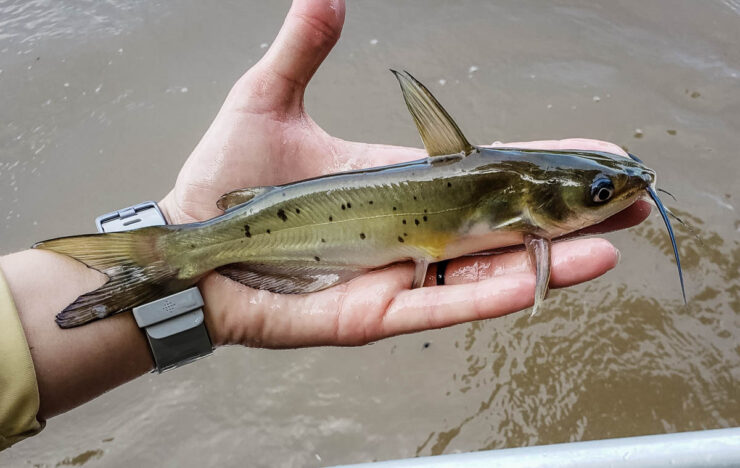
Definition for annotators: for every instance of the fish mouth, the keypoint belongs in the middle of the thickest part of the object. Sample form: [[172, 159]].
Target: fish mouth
[[664, 215]]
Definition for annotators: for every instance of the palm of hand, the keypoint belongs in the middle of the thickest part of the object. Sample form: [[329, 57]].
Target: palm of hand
[[262, 136]]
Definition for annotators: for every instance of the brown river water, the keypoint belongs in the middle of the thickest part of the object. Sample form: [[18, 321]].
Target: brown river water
[[101, 102]]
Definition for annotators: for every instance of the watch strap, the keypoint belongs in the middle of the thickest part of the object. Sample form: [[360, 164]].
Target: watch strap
[[174, 325]]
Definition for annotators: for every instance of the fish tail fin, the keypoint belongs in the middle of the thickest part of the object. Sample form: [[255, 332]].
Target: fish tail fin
[[134, 263]]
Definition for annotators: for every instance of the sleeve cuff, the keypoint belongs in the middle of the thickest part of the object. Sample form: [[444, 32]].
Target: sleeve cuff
[[19, 393]]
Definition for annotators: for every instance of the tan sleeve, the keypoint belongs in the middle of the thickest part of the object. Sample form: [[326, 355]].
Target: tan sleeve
[[19, 393]]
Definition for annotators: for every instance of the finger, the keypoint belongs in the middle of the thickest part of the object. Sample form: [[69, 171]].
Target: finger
[[595, 256], [355, 312], [630, 216], [584, 144], [442, 306], [309, 32]]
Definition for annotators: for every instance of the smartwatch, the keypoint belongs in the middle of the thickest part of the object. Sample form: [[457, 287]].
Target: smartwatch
[[174, 325]]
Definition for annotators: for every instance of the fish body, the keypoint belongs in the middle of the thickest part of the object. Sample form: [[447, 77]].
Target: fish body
[[309, 235], [426, 209]]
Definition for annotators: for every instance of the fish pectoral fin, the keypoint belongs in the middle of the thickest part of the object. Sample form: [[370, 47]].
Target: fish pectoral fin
[[238, 197], [440, 134], [289, 278], [539, 255]]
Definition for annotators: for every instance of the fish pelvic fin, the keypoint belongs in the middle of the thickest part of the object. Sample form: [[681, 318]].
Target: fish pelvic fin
[[538, 249], [420, 272], [239, 197], [134, 264], [440, 134]]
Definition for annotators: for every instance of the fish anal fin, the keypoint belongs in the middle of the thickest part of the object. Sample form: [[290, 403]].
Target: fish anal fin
[[440, 134], [241, 196], [289, 278]]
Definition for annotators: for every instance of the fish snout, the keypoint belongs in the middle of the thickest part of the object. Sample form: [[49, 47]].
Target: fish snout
[[648, 177], [642, 172], [641, 177]]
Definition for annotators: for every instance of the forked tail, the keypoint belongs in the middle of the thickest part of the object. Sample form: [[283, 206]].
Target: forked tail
[[134, 263]]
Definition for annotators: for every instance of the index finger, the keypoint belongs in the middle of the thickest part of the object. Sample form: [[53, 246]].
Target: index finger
[[585, 144]]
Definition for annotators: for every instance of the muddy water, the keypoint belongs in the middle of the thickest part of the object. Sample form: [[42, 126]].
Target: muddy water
[[100, 103]]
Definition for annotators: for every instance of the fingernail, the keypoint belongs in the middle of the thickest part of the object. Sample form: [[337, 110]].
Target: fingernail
[[619, 255]]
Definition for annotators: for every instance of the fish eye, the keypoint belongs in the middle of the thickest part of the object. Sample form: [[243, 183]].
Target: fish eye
[[602, 190]]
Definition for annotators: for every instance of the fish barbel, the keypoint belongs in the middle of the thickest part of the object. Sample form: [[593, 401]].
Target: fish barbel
[[312, 234]]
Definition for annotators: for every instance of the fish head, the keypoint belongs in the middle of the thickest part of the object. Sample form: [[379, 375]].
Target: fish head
[[621, 182], [607, 188], [577, 189]]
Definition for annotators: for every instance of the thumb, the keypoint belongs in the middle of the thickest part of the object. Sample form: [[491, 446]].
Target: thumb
[[309, 32]]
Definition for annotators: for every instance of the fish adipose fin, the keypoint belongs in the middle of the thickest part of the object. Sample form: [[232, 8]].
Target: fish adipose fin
[[133, 262], [440, 134], [539, 255], [239, 197], [289, 278]]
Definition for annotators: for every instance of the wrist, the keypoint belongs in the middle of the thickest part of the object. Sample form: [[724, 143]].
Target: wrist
[[172, 323], [166, 206], [212, 310], [75, 365]]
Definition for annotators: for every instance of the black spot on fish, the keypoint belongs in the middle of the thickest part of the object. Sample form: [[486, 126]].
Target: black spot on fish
[[403, 221], [426, 345], [394, 208], [297, 211], [344, 207], [416, 221], [400, 239], [362, 235], [349, 205], [192, 246], [424, 217], [414, 197], [449, 184], [268, 231], [405, 234], [317, 259], [246, 231], [371, 202], [425, 210], [323, 240], [281, 214], [331, 218]]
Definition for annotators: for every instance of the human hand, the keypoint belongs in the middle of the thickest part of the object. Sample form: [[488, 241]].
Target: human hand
[[263, 136]]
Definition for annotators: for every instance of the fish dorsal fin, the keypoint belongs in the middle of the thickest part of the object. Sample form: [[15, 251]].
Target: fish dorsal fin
[[237, 197], [440, 134]]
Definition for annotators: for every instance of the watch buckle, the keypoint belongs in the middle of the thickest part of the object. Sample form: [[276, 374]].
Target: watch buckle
[[134, 217]]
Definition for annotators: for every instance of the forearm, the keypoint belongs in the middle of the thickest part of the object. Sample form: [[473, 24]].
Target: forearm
[[75, 365]]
